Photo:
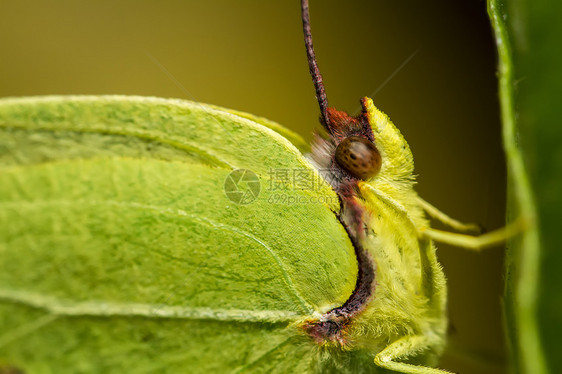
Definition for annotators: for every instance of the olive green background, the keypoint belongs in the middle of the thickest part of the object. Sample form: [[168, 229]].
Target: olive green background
[[249, 56]]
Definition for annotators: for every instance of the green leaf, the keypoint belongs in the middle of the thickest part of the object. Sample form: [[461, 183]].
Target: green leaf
[[121, 252], [528, 38]]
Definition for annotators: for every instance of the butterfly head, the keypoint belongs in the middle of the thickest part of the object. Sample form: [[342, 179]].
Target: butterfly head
[[365, 147]]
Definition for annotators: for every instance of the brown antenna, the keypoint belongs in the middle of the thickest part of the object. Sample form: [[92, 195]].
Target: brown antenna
[[313, 66]]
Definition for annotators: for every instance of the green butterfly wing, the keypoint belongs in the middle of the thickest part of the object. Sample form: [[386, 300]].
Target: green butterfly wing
[[121, 252]]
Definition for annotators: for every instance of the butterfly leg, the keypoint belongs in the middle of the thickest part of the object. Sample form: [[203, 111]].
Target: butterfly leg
[[435, 213], [403, 348], [476, 243]]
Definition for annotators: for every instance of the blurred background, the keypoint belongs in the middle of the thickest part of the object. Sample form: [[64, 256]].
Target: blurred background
[[429, 65]]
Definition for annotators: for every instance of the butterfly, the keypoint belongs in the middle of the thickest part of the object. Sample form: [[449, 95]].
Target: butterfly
[[129, 243]]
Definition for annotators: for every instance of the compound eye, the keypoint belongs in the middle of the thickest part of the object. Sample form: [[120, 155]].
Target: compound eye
[[359, 157]]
